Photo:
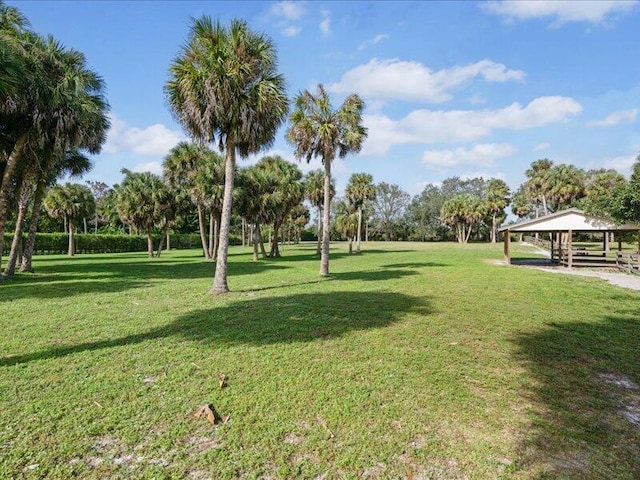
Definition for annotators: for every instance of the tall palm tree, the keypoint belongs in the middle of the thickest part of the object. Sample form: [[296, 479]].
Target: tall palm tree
[[566, 185], [224, 87], [318, 130], [497, 201], [360, 189], [71, 202], [347, 221], [314, 192]]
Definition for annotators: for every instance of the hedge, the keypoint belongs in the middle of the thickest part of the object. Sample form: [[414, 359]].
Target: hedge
[[56, 243]]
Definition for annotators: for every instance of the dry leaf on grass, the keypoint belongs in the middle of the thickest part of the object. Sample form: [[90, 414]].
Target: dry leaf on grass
[[323, 424], [223, 380], [209, 411]]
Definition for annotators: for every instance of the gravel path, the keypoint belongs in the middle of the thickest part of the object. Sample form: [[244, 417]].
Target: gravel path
[[621, 279]]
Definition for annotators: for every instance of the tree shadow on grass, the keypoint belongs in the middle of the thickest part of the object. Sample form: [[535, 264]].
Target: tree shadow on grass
[[77, 279], [586, 399], [263, 321]]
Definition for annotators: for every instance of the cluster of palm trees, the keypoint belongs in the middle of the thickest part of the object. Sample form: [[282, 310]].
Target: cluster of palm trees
[[224, 88], [52, 112]]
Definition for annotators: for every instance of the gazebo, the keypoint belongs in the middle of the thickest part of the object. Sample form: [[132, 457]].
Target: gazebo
[[561, 226]]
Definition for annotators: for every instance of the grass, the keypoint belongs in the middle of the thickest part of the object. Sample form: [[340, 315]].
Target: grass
[[410, 361]]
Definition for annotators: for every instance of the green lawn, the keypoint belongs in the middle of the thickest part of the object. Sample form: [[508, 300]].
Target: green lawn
[[422, 360]]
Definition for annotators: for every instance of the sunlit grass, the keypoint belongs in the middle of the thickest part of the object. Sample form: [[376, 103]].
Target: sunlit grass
[[411, 360]]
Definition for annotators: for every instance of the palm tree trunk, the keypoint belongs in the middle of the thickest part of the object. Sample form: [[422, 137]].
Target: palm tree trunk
[[220, 278], [254, 240], [149, 244], [168, 240], [72, 238], [275, 252], [16, 244], [84, 220], [5, 187], [243, 232], [544, 205], [493, 228], [359, 228], [164, 232], [203, 235], [95, 228], [211, 235], [263, 252], [324, 256], [27, 254], [216, 227], [319, 230]]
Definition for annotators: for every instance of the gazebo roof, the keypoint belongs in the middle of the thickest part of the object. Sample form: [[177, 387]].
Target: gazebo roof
[[570, 219]]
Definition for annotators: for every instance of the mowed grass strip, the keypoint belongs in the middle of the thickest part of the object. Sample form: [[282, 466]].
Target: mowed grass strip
[[410, 361]]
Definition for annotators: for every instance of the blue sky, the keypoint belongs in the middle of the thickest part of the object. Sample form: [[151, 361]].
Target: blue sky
[[452, 88]]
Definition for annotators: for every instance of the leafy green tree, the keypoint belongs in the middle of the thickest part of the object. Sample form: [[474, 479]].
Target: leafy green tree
[[625, 198], [497, 200], [296, 222], [423, 213], [318, 130], [143, 201], [314, 192], [360, 190], [224, 87], [599, 189], [71, 203]]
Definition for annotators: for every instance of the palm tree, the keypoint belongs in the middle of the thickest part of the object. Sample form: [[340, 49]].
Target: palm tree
[[566, 185], [282, 191], [360, 189], [314, 192], [538, 182], [141, 201], [347, 221], [497, 201], [199, 171], [224, 88], [318, 130], [62, 107], [462, 212], [71, 203]]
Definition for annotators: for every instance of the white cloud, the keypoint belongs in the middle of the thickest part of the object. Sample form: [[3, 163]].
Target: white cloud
[[435, 126], [541, 146], [413, 81], [153, 167], [289, 10], [615, 118], [592, 11], [622, 163], [155, 140], [291, 31], [325, 24], [482, 154], [374, 41]]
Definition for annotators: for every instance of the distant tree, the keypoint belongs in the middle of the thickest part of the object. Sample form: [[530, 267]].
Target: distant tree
[[224, 87], [296, 222], [389, 207], [100, 191], [497, 200], [625, 198], [142, 201], [462, 212], [599, 189], [71, 203], [538, 183], [566, 185], [347, 221], [423, 213], [314, 192], [360, 189], [318, 130]]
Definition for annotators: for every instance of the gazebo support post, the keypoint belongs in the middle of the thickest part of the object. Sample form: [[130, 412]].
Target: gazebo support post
[[507, 247], [605, 243], [570, 248], [619, 234], [552, 248]]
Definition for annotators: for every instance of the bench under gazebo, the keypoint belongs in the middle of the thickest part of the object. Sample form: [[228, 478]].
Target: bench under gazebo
[[561, 227]]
